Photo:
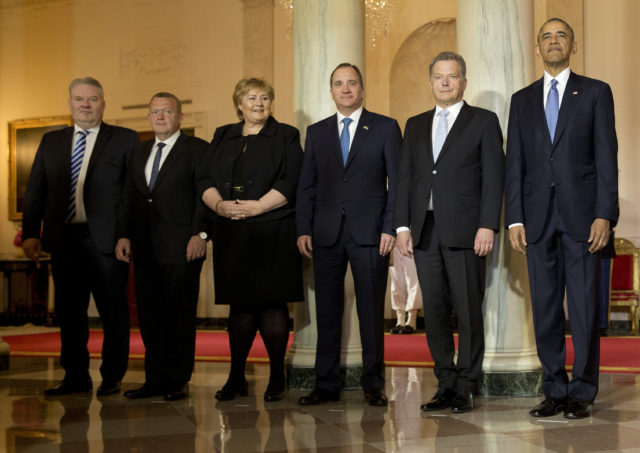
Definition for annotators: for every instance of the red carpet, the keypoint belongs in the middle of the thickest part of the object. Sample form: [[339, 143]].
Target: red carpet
[[617, 354]]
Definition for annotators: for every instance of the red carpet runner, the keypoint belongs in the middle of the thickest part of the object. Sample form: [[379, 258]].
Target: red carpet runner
[[617, 354]]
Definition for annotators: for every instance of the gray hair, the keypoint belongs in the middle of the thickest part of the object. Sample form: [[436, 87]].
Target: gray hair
[[86, 81], [448, 56]]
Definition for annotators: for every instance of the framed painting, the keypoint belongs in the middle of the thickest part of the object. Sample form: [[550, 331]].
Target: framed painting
[[24, 139]]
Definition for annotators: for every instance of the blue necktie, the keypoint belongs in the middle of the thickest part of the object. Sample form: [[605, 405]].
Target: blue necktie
[[345, 138], [441, 134], [76, 164], [156, 166], [551, 109]]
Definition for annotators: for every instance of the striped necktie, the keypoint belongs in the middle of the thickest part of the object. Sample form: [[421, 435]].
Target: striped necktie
[[76, 164], [552, 108]]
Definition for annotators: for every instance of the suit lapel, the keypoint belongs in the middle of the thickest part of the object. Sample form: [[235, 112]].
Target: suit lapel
[[537, 101], [65, 150], [570, 100], [98, 147], [332, 131], [456, 131], [362, 130], [138, 166]]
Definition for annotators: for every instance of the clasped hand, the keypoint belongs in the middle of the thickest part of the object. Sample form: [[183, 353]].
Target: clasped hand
[[240, 209]]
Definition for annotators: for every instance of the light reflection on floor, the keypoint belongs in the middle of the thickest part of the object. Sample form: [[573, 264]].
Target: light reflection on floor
[[85, 423]]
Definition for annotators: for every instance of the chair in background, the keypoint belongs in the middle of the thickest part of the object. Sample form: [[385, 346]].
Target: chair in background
[[625, 281]]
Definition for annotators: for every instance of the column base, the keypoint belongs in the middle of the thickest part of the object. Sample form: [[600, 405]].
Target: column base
[[510, 383], [305, 378], [4, 355]]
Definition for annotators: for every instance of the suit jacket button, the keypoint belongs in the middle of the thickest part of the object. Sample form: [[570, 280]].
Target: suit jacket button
[[149, 200], [435, 172]]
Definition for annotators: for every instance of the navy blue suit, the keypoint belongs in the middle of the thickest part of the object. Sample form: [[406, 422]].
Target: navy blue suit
[[345, 209], [557, 190]]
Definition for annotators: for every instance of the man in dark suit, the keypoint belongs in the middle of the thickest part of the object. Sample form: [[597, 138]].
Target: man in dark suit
[[561, 202], [343, 215], [447, 211], [162, 219], [73, 190]]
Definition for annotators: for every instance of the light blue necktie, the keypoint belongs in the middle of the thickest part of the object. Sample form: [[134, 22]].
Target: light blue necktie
[[76, 164], [155, 168], [551, 109], [441, 134], [345, 138]]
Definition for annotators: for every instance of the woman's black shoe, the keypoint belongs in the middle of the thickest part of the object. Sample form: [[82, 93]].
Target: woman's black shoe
[[271, 395], [229, 391]]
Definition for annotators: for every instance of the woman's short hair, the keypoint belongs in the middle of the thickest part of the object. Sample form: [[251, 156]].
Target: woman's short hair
[[244, 85]]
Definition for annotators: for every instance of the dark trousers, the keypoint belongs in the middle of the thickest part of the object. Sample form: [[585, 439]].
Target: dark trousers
[[557, 261], [79, 269], [369, 271], [451, 277], [167, 298]]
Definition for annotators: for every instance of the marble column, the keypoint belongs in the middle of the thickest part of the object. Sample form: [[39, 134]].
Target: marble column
[[325, 33], [496, 39]]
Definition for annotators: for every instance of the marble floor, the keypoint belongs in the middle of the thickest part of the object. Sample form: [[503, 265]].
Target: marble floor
[[81, 423]]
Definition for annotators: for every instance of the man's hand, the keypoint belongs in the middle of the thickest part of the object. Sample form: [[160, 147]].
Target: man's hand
[[599, 235], [404, 243], [196, 248], [483, 243], [32, 248], [386, 244], [123, 250], [304, 245], [518, 239]]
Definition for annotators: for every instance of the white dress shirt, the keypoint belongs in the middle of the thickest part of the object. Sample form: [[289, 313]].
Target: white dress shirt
[[353, 126], [81, 213], [165, 152]]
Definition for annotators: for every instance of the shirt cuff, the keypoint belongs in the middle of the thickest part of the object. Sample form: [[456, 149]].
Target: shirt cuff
[[515, 224], [403, 228]]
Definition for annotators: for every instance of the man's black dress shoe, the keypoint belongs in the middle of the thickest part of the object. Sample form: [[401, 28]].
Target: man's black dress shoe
[[577, 409], [319, 396], [270, 396], [549, 407], [67, 387], [109, 388], [407, 330], [229, 391], [463, 401], [176, 394], [146, 391], [439, 401], [375, 397], [396, 329]]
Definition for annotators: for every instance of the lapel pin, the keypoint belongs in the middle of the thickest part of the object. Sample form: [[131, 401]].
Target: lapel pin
[[366, 128], [575, 92]]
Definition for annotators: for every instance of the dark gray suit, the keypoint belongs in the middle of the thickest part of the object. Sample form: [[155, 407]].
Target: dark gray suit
[[466, 182]]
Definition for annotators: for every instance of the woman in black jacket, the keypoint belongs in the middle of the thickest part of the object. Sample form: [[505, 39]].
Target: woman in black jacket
[[248, 180]]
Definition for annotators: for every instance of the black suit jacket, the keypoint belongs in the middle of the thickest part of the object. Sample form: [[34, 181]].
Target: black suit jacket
[[467, 180], [363, 190], [162, 221], [581, 163], [47, 194]]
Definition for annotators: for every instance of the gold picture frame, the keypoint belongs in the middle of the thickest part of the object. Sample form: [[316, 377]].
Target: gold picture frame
[[24, 139]]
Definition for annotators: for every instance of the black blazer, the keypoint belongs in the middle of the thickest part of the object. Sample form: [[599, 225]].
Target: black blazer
[[363, 189], [272, 161], [581, 163], [467, 180], [165, 219], [47, 194]]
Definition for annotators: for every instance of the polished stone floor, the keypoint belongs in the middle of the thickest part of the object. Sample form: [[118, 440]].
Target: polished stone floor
[[81, 423]]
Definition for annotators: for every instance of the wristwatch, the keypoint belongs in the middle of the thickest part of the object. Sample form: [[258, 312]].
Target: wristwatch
[[203, 235]]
